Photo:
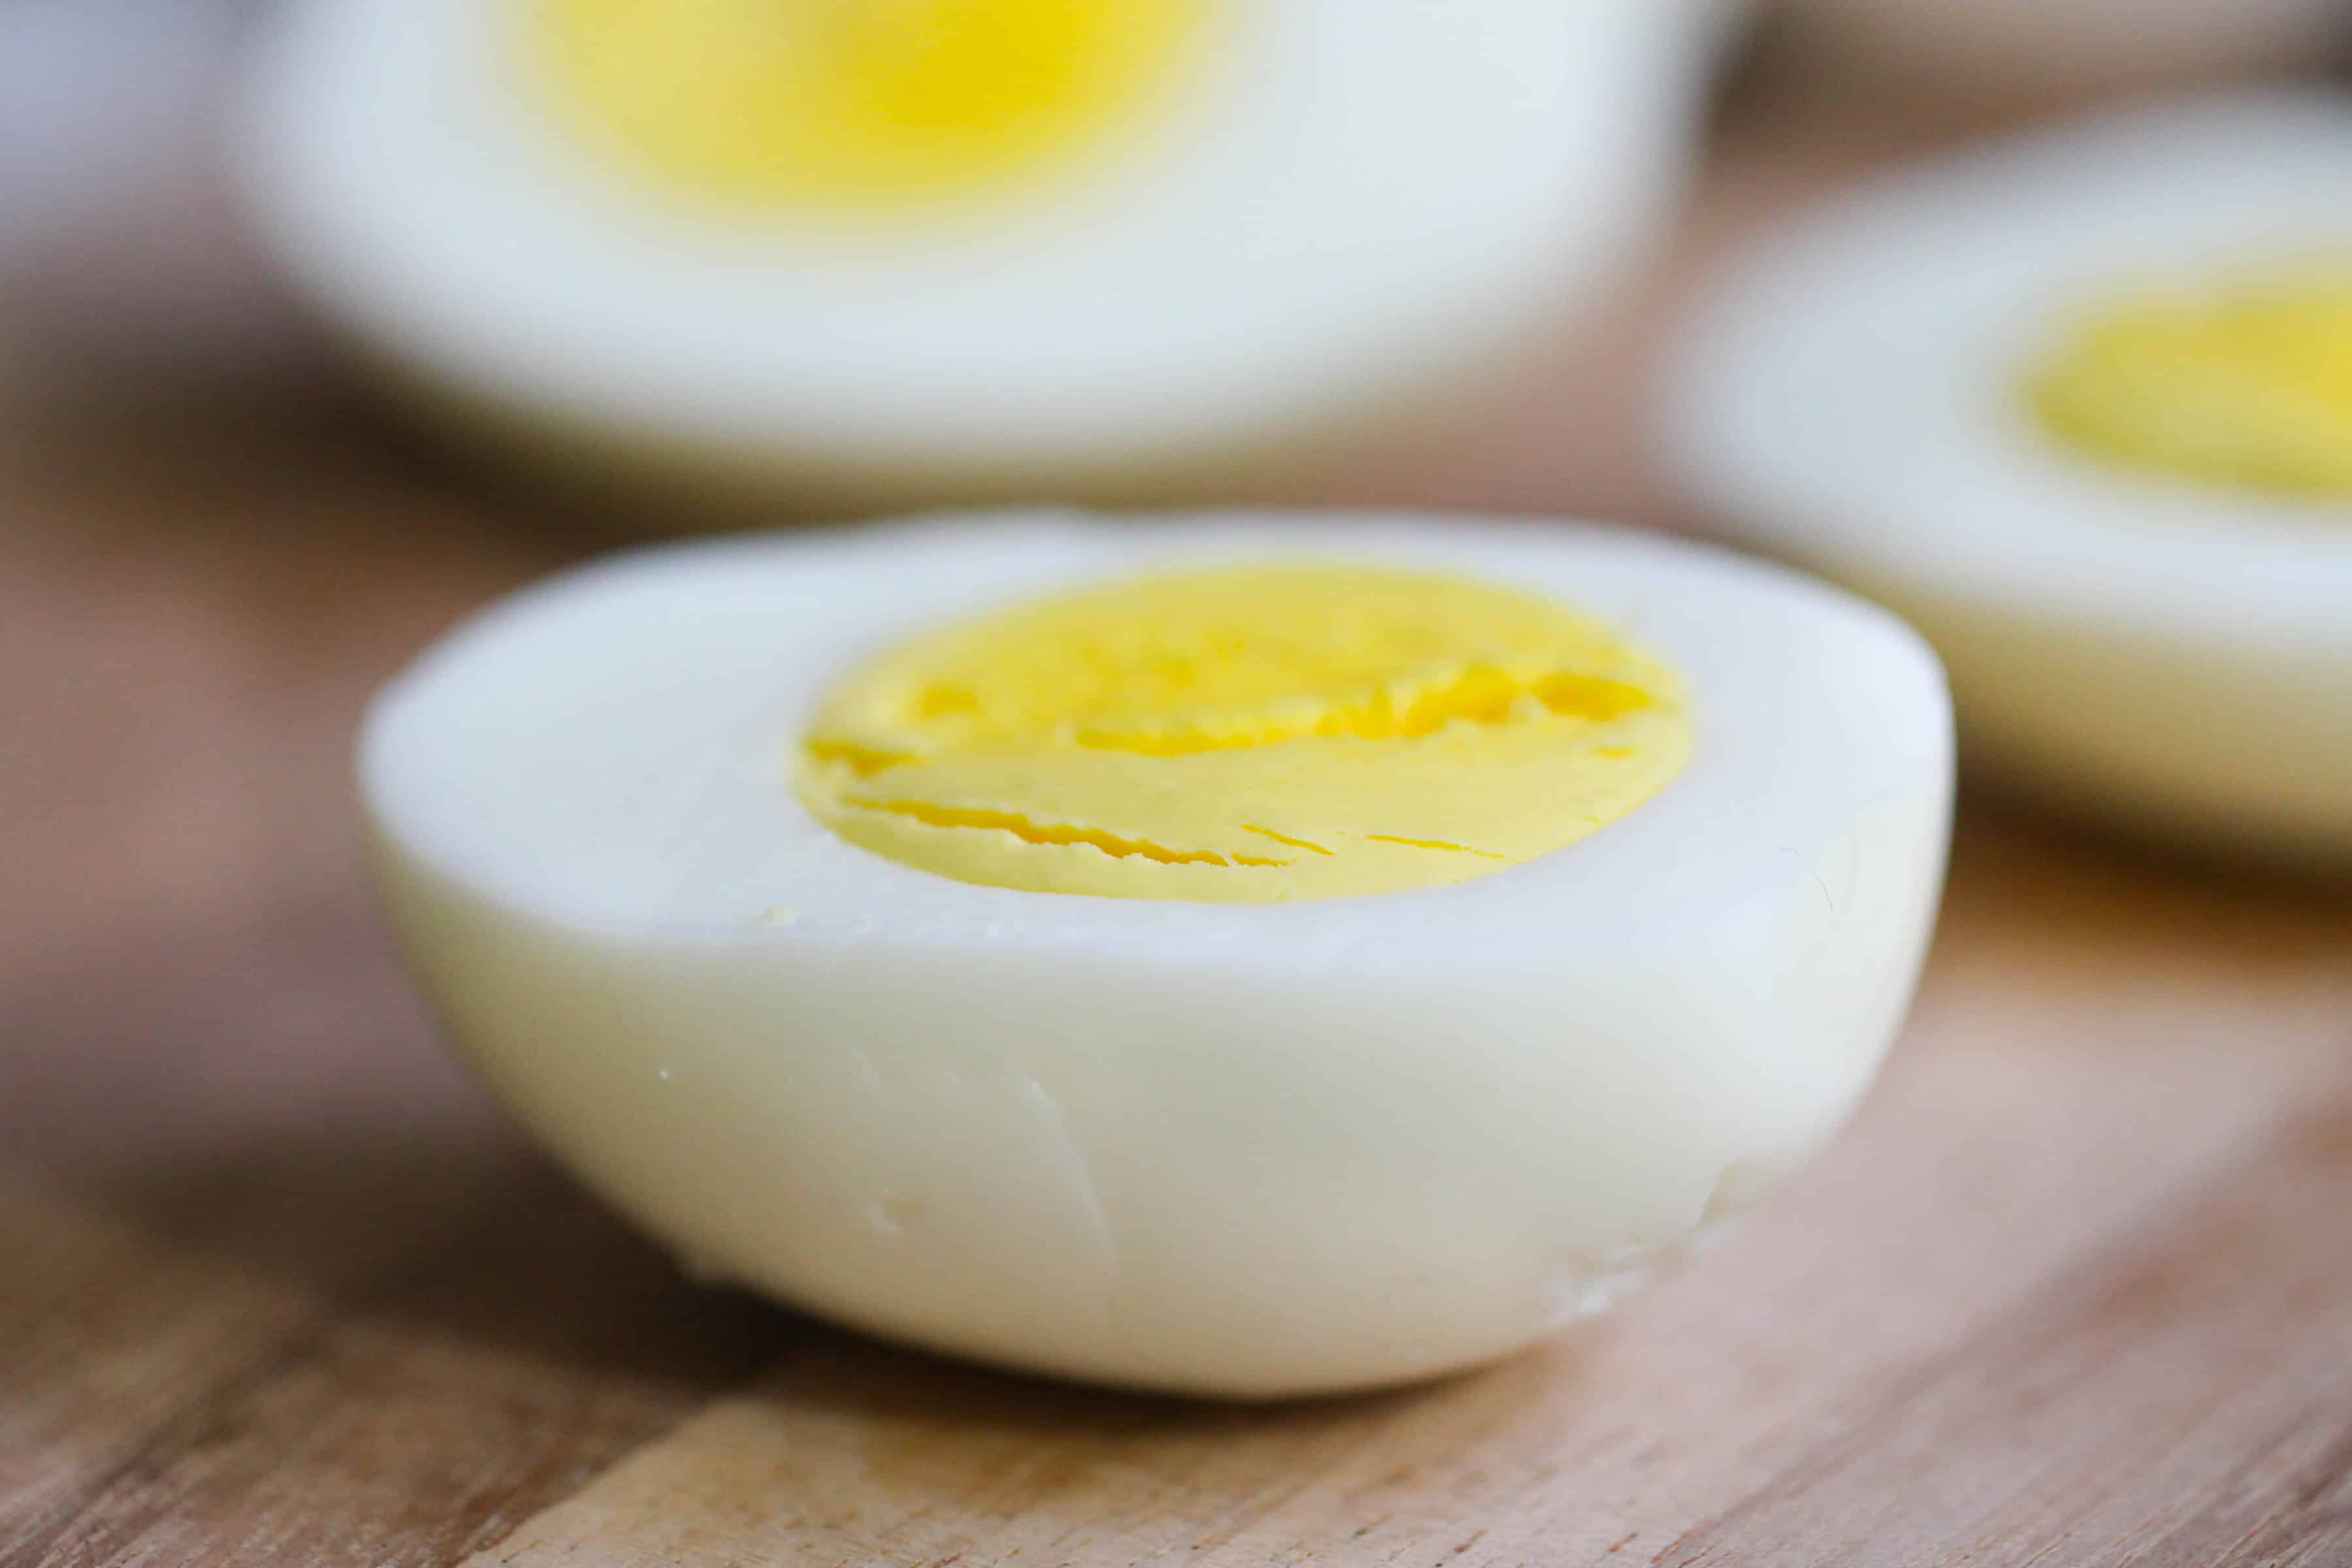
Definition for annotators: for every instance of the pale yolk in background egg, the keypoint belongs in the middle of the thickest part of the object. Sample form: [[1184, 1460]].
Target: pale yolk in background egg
[[856, 103], [2250, 385], [1247, 734]]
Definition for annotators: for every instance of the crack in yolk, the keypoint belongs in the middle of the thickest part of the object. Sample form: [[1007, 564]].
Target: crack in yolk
[[1479, 694], [1307, 844], [1030, 832], [2248, 385], [1152, 738], [1433, 844], [853, 105]]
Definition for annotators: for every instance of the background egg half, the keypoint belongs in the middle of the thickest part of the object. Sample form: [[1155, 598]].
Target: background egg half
[[1258, 1148], [2069, 403], [1060, 247]]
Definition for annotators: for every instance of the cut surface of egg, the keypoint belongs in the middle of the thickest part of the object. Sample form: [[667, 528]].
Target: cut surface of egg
[[1232, 955], [862, 104], [1248, 735], [2244, 382], [844, 250], [2079, 405]]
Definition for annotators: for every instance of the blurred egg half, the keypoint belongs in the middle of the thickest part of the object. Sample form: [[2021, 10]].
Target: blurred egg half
[[1225, 955], [2080, 405], [835, 252]]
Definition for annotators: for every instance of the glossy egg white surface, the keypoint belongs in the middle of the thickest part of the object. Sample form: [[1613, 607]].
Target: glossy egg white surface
[[1249, 1150], [2163, 652], [1347, 204]]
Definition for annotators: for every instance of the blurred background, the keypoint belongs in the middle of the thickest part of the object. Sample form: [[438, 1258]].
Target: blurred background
[[135, 286]]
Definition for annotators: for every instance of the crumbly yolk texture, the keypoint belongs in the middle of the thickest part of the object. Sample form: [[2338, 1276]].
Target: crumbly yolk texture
[[1247, 734], [2250, 385], [856, 103]]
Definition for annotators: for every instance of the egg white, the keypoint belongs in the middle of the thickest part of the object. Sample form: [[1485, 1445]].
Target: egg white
[[1352, 201], [1247, 1150], [2168, 653]]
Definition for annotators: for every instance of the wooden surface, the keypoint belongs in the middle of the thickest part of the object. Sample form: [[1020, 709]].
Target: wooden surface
[[276, 1287]]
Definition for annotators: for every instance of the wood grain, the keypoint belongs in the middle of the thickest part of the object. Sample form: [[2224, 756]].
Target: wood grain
[[276, 1287]]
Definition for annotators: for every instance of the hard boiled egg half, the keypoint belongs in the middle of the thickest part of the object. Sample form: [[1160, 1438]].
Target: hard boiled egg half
[[2079, 405], [840, 251], [1225, 955]]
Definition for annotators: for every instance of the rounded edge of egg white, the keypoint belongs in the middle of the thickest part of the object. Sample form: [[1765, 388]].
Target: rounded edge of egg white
[[398, 255], [2171, 654], [1251, 1150]]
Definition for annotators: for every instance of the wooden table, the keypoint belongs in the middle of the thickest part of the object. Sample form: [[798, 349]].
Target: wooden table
[[278, 1287]]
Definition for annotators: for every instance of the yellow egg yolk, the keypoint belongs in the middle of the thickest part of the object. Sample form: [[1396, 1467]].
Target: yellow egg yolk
[[856, 103], [1245, 734], [2250, 386]]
